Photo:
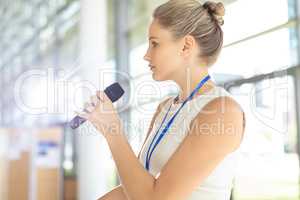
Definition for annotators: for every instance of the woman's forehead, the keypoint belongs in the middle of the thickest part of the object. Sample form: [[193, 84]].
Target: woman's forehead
[[157, 32]]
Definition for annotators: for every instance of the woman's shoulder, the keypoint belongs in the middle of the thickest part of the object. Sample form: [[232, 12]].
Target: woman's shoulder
[[221, 98], [226, 109], [224, 118], [224, 103]]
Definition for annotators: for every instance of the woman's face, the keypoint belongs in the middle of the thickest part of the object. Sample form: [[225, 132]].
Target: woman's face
[[164, 54]]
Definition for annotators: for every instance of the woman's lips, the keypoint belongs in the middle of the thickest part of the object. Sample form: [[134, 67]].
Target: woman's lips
[[151, 67]]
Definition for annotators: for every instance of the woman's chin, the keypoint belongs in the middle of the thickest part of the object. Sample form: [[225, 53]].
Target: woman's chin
[[158, 77]]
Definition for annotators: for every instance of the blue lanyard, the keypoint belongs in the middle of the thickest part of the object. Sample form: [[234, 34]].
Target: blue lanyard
[[148, 157]]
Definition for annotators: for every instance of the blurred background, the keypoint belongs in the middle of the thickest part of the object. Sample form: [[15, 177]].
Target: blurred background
[[56, 53]]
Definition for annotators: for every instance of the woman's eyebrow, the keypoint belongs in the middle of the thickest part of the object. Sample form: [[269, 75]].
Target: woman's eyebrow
[[152, 37]]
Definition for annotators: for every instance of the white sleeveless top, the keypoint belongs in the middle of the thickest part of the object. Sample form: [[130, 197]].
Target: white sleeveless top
[[217, 186]]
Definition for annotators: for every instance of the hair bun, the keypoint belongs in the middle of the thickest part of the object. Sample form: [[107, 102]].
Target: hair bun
[[215, 9]]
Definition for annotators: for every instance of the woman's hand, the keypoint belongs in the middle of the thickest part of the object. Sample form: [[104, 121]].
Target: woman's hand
[[102, 114]]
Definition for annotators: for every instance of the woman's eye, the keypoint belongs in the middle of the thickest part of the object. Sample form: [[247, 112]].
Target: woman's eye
[[154, 44]]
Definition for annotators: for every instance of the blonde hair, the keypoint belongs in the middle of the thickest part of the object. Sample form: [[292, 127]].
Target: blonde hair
[[190, 17]]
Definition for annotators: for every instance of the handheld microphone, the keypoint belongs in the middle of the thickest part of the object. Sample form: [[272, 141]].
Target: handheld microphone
[[113, 92]]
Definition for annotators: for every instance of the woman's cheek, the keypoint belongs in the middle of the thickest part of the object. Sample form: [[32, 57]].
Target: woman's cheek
[[163, 56]]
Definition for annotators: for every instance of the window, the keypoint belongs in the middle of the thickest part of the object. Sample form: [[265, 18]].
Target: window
[[245, 18], [260, 55], [269, 167]]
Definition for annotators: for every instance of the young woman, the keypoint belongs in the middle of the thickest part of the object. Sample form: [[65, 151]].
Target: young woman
[[192, 144]]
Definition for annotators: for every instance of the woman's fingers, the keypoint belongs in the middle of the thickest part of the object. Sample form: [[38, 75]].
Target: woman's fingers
[[101, 95], [94, 100], [82, 115], [88, 107]]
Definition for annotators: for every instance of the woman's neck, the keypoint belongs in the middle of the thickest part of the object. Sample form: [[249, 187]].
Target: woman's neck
[[190, 81]]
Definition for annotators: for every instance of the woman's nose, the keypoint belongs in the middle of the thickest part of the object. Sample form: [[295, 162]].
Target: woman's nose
[[146, 56]]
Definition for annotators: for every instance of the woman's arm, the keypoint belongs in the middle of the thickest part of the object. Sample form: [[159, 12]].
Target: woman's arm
[[115, 194], [196, 157], [118, 193]]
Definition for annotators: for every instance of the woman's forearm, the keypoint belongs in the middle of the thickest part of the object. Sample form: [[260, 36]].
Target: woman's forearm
[[115, 194], [136, 181]]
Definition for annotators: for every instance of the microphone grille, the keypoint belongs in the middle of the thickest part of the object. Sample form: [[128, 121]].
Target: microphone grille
[[114, 91]]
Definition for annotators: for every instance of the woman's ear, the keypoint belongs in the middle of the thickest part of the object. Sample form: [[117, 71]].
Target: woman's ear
[[189, 45]]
